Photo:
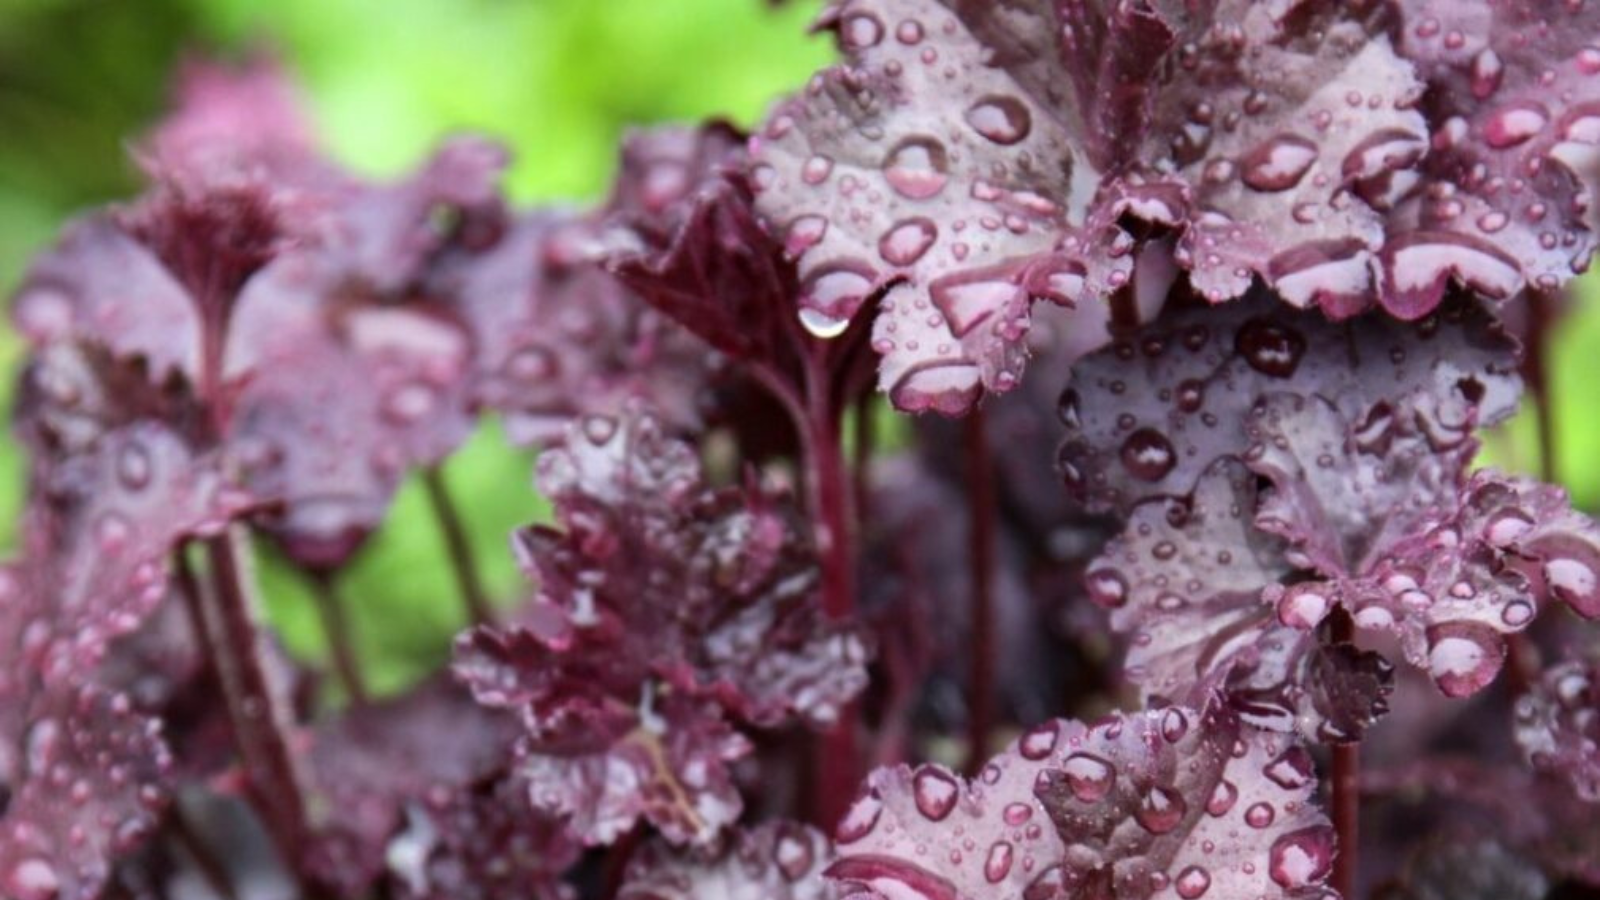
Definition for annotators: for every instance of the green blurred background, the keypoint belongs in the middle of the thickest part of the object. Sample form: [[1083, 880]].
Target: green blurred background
[[558, 81]]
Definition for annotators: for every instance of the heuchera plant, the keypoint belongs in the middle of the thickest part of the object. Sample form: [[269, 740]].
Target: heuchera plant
[[1213, 601]]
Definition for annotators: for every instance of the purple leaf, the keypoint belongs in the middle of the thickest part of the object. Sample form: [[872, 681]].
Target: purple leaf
[[369, 764], [670, 767], [101, 284], [486, 844], [1558, 725], [233, 124], [1465, 566], [1271, 140], [555, 337], [776, 861], [83, 779], [1507, 195], [1189, 580], [1147, 415], [339, 395], [101, 529], [1126, 807], [664, 609]]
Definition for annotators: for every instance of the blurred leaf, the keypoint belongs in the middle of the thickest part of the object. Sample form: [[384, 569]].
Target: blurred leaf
[[400, 592]]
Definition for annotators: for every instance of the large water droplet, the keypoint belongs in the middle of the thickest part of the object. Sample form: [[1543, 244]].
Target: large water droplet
[[907, 241], [133, 465], [998, 864], [860, 820], [1148, 455], [1192, 883], [1039, 741], [917, 167], [410, 402], [1487, 70], [1292, 770], [966, 302], [793, 854], [1301, 858], [1107, 588], [1004, 120], [1463, 657], [820, 324], [1161, 810], [1303, 606], [860, 31], [1270, 348], [1514, 124], [1174, 725], [1089, 777], [946, 387], [33, 879], [1222, 798], [816, 170], [835, 292], [1260, 815], [935, 791], [1278, 163], [1573, 582]]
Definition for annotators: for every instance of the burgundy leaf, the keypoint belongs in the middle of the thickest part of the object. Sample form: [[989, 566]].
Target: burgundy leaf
[[555, 337], [686, 239], [1127, 807], [100, 533], [339, 396], [1248, 127], [1558, 725], [1405, 544], [1193, 582], [240, 123], [83, 784], [670, 767], [664, 609], [487, 844], [100, 283], [1507, 195], [776, 861], [1148, 414], [368, 765], [286, 297]]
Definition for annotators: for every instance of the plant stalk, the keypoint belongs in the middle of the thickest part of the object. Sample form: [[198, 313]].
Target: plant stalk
[[830, 490], [981, 554], [258, 713], [468, 581], [341, 645], [1345, 791]]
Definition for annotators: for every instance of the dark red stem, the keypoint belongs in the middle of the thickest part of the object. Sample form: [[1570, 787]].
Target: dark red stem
[[832, 496], [1345, 791], [981, 551], [830, 493], [258, 713], [473, 596], [336, 628]]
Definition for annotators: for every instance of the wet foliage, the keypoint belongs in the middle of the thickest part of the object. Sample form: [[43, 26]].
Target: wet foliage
[[1215, 600]]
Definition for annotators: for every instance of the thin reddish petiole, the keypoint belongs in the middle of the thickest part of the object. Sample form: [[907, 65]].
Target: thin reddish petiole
[[981, 551], [468, 581]]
